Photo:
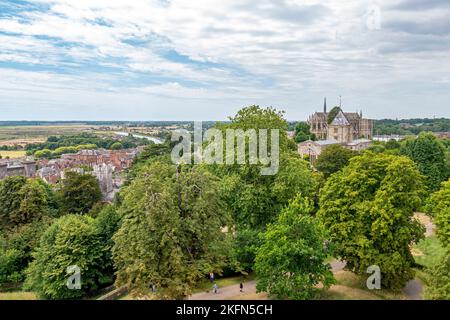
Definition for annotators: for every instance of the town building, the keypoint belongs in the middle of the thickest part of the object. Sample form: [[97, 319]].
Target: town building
[[17, 167], [350, 130]]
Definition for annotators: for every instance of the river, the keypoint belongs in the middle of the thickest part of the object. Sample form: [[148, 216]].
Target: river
[[155, 140]]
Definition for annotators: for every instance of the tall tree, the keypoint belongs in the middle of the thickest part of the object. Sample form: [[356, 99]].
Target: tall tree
[[368, 207], [291, 261], [256, 199], [303, 132], [333, 159], [429, 155], [79, 192], [72, 240], [23, 201], [173, 219]]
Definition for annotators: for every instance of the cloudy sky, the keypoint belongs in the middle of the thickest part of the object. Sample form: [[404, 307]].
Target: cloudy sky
[[204, 59]]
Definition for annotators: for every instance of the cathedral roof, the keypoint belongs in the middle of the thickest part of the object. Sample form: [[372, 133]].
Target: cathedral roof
[[340, 119]]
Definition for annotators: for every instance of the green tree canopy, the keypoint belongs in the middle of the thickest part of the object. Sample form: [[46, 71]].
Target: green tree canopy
[[116, 146], [303, 132], [332, 114], [368, 208], [333, 159], [171, 231], [438, 280], [78, 192], [429, 155], [291, 261], [23, 201], [72, 240], [256, 199]]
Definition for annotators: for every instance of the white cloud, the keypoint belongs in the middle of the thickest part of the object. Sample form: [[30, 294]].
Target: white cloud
[[290, 51]]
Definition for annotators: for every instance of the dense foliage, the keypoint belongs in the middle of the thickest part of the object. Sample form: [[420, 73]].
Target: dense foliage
[[72, 240], [411, 126], [429, 155], [78, 193], [290, 263], [57, 145], [171, 233], [333, 159], [368, 208], [303, 133]]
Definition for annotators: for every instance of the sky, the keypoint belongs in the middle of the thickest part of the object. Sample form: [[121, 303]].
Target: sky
[[206, 59]]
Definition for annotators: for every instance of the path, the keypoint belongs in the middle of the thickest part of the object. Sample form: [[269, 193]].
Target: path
[[232, 292], [228, 292], [413, 290]]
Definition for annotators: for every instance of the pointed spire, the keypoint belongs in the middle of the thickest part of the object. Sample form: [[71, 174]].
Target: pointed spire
[[325, 105]]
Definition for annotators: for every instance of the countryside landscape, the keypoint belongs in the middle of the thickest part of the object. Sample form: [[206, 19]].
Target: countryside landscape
[[256, 154]]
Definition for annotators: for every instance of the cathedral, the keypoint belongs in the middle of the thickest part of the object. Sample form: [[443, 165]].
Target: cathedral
[[348, 129], [345, 127]]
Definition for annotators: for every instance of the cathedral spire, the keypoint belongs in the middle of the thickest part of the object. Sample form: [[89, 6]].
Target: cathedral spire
[[325, 105]]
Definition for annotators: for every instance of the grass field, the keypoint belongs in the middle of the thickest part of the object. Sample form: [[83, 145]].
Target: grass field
[[12, 154], [20, 133], [353, 287], [428, 251], [18, 295]]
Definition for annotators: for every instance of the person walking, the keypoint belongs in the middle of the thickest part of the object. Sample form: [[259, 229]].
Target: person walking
[[241, 287], [211, 277], [215, 287]]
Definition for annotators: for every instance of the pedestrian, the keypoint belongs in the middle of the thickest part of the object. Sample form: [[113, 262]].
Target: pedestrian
[[211, 277], [241, 287], [215, 287]]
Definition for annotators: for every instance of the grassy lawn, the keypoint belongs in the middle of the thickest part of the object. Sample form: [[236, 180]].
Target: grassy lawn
[[18, 295], [428, 251], [12, 154], [353, 287]]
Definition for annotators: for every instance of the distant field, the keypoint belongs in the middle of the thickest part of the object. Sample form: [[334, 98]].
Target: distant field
[[20, 133], [12, 154]]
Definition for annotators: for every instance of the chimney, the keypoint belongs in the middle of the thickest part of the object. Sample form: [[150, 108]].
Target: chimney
[[325, 105]]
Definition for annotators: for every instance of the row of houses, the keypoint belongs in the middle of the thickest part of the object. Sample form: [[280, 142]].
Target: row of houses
[[105, 165]]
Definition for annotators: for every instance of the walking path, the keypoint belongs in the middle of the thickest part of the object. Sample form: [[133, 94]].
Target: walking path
[[232, 292]]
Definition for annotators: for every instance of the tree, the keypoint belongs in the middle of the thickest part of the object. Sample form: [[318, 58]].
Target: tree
[[368, 208], [429, 155], [246, 243], [333, 159], [256, 199], [79, 192], [116, 146], [16, 249], [303, 132], [332, 114], [9, 198], [107, 223], [392, 144], [23, 201], [438, 284], [171, 233], [440, 200], [291, 261], [72, 240]]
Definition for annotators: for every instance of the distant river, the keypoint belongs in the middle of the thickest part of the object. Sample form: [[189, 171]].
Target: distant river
[[155, 140]]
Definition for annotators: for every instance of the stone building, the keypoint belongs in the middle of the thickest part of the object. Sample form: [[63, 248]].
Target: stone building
[[25, 168], [345, 127], [350, 130]]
